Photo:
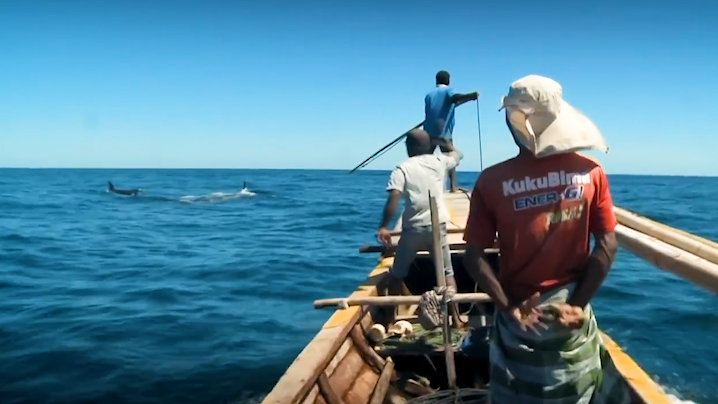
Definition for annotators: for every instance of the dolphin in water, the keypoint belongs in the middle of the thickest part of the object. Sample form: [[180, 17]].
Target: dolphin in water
[[131, 192]]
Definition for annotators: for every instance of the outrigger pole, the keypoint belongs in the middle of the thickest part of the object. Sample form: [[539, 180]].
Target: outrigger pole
[[384, 149]]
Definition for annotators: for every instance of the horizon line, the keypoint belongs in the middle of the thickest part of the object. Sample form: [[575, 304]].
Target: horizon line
[[299, 169]]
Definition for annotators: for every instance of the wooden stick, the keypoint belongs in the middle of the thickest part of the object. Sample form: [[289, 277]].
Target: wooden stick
[[390, 249], [329, 395], [453, 230], [382, 385], [441, 282], [365, 351], [667, 257], [396, 300], [668, 235]]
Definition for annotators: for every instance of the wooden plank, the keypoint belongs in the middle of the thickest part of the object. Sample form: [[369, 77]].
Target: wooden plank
[[327, 392], [382, 385], [303, 373], [348, 370], [341, 353], [646, 389], [361, 390], [312, 396]]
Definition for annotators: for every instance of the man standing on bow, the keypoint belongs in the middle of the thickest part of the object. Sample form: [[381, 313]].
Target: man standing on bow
[[439, 107], [545, 204], [421, 173]]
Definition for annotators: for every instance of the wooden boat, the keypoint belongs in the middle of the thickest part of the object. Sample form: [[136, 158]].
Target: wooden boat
[[340, 365]]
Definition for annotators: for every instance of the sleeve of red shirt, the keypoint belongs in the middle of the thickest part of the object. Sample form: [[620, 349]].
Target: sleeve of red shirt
[[481, 224], [602, 219]]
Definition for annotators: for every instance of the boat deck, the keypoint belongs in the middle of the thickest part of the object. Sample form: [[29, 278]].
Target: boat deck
[[338, 366]]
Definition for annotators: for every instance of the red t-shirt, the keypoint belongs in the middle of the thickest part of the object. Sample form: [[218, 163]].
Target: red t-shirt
[[544, 211]]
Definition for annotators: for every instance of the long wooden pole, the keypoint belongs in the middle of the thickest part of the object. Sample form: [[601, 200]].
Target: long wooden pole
[[667, 257], [388, 146], [441, 282], [396, 300], [688, 242]]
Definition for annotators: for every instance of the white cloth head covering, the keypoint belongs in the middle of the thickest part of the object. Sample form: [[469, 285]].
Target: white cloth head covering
[[544, 123]]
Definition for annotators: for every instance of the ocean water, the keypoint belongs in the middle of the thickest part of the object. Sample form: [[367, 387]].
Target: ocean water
[[195, 293]]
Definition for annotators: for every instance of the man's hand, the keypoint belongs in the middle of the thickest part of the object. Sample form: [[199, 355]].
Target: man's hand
[[569, 316], [527, 315], [443, 142], [474, 95], [384, 236]]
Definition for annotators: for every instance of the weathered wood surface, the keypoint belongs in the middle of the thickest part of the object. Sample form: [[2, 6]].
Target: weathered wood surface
[[695, 245], [667, 257]]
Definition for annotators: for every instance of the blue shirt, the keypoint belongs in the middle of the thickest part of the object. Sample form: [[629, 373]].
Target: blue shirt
[[439, 111]]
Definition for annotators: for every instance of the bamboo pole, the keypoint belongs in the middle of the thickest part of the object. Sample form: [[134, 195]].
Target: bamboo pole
[[670, 258], [396, 300], [453, 247], [453, 230], [685, 241], [441, 282]]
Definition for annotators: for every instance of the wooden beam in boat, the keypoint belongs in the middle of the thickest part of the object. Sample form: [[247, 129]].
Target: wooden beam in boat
[[395, 300], [391, 249], [327, 392], [367, 353], [382, 385]]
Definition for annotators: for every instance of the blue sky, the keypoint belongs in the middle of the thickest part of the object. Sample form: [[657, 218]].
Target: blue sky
[[267, 84]]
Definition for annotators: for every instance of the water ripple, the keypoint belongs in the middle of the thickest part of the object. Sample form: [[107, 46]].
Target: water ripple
[[145, 300]]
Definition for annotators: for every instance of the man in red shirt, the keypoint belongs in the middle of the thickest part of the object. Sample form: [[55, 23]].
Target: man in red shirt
[[545, 204]]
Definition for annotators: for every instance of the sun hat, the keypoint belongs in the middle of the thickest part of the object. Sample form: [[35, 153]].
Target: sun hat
[[546, 124]]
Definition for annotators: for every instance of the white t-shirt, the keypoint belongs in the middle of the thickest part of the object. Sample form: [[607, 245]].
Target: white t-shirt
[[414, 178]]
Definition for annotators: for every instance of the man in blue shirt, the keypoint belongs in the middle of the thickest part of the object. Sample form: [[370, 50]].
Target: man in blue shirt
[[439, 107]]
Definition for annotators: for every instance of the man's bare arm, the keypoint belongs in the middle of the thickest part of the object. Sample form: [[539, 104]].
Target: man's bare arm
[[597, 268], [392, 202], [459, 99], [480, 271]]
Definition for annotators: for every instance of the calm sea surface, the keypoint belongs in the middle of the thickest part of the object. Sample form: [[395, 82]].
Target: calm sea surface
[[194, 293]]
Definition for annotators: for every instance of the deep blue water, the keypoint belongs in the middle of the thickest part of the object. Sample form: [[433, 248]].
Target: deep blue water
[[154, 299]]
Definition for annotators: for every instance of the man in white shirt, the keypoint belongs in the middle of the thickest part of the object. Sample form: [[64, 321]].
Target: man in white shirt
[[413, 179]]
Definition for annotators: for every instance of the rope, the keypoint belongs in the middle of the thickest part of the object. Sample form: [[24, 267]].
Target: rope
[[478, 119], [430, 316], [459, 396]]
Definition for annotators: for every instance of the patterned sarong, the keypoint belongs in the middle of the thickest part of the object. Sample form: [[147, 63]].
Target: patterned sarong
[[560, 366]]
